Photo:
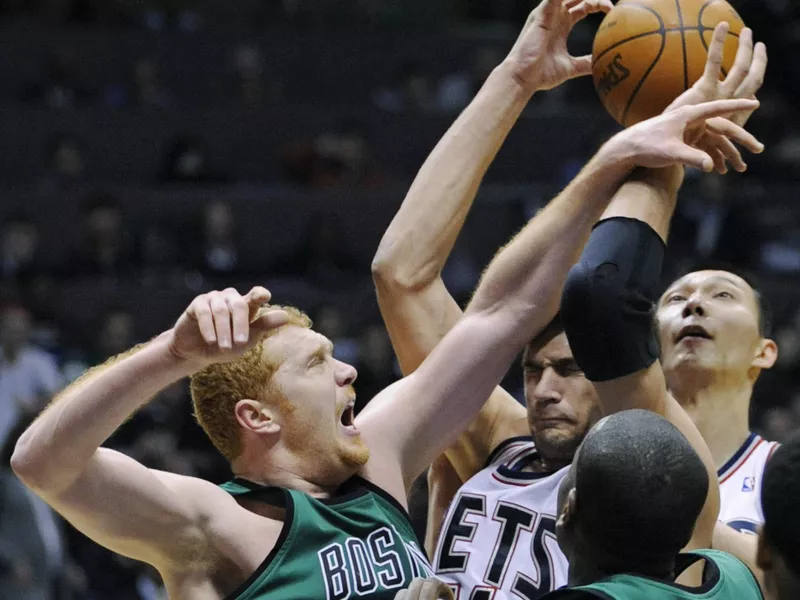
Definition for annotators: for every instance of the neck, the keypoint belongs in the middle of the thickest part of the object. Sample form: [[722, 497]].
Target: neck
[[583, 571], [279, 468], [720, 411]]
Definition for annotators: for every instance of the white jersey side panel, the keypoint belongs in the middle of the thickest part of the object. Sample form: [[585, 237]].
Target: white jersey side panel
[[740, 484], [498, 537]]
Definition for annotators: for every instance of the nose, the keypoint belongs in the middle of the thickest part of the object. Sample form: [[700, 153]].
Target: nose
[[547, 389], [693, 306], [345, 374]]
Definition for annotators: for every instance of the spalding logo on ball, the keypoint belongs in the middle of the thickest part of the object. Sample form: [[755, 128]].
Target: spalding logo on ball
[[648, 52]]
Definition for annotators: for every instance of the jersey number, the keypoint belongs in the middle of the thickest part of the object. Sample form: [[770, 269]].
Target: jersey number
[[513, 520]]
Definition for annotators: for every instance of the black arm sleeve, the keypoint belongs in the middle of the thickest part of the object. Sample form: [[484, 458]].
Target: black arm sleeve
[[607, 307]]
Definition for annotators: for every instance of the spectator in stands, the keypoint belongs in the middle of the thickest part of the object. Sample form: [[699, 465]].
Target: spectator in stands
[[411, 91], [28, 376], [254, 85], [60, 86], [376, 364], [323, 256], [457, 89], [187, 161], [219, 251], [108, 248], [19, 250], [64, 161], [32, 553], [330, 322], [158, 253]]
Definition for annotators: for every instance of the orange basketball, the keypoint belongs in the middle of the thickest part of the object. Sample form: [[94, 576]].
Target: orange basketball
[[648, 52]]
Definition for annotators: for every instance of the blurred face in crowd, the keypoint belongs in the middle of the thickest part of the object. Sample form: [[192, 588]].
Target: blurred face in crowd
[[20, 240], [219, 221], [317, 402], [105, 222], [116, 335], [562, 403], [709, 326], [15, 328]]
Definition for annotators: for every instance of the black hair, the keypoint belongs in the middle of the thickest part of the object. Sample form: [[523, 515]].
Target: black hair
[[780, 500], [640, 489], [765, 314]]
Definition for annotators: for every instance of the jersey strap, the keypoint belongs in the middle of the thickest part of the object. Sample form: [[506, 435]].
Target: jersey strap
[[740, 457]]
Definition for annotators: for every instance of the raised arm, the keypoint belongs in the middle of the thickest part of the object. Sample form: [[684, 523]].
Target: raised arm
[[156, 517], [416, 307], [608, 300], [413, 421]]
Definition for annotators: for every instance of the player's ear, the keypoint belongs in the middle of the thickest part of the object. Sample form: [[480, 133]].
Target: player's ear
[[565, 526], [256, 417], [767, 354]]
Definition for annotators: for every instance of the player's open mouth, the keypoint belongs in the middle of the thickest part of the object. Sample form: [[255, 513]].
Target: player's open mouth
[[347, 418], [693, 331]]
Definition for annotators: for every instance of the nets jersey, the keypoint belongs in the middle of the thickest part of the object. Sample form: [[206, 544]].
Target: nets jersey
[[740, 484], [359, 544], [498, 538]]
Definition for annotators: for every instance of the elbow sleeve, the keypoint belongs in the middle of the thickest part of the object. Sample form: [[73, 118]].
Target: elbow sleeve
[[607, 306]]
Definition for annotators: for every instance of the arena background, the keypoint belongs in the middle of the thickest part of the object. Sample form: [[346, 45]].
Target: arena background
[[155, 149]]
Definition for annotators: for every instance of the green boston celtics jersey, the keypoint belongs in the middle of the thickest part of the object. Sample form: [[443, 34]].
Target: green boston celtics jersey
[[726, 578], [359, 544]]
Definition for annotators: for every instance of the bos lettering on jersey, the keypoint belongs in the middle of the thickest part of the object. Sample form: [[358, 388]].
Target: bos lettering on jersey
[[498, 537], [358, 567], [740, 485]]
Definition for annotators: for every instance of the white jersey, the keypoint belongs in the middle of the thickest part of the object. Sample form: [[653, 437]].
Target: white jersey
[[498, 538], [740, 484]]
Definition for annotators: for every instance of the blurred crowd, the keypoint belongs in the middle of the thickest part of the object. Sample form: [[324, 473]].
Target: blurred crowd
[[41, 350]]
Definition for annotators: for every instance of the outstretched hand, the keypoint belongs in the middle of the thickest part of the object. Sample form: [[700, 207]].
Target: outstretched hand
[[220, 326], [742, 81], [661, 141], [540, 58]]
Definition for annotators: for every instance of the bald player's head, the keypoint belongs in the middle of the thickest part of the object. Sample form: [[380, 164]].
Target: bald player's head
[[633, 494], [779, 539]]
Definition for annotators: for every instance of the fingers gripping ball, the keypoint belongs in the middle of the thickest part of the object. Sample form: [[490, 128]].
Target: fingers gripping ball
[[648, 52]]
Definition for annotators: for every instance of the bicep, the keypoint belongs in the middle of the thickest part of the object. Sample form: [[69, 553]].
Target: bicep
[[132, 510]]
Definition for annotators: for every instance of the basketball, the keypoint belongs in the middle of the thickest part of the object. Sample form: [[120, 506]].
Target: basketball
[[646, 53]]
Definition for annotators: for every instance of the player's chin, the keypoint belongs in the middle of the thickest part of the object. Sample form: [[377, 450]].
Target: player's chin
[[354, 453]]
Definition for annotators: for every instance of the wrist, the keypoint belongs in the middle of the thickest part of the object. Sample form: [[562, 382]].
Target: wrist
[[169, 360], [515, 75]]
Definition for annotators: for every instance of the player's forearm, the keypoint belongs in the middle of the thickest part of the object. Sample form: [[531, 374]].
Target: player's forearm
[[527, 275], [649, 195], [53, 452], [416, 245], [743, 546]]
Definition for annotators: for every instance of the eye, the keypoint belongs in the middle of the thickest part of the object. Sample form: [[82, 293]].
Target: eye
[[675, 298], [726, 295]]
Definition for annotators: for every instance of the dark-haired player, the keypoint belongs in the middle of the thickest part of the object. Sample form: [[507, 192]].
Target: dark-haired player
[[779, 538], [715, 342], [629, 505]]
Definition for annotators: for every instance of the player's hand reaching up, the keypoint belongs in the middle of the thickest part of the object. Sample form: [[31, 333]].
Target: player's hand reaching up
[[426, 589], [661, 141], [540, 58], [742, 81], [220, 326]]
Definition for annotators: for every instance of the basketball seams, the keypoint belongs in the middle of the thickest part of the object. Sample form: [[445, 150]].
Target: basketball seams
[[702, 29], [616, 45], [644, 78], [683, 42]]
